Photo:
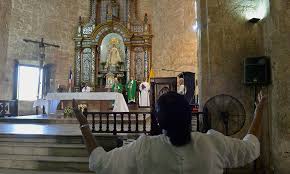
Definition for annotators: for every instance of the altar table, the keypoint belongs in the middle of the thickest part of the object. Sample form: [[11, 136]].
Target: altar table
[[52, 99]]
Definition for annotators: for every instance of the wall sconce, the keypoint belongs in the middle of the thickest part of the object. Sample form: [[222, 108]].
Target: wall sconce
[[254, 20]]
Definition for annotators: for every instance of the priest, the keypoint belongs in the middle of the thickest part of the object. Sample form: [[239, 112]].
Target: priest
[[131, 90], [181, 89], [144, 99], [86, 88], [117, 86]]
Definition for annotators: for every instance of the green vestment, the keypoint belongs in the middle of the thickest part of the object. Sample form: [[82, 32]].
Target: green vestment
[[117, 87], [131, 91]]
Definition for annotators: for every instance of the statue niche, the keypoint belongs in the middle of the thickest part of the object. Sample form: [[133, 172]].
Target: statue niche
[[112, 53], [112, 57]]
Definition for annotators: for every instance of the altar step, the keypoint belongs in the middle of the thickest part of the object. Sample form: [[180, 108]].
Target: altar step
[[57, 142], [22, 171], [43, 153], [42, 149], [45, 163]]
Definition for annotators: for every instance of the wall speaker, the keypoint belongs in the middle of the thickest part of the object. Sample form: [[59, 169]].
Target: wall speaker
[[257, 71]]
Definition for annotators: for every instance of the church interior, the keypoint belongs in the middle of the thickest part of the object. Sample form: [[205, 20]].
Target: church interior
[[116, 57]]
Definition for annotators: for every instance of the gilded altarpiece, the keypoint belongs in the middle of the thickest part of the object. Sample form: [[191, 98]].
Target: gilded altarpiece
[[112, 43]]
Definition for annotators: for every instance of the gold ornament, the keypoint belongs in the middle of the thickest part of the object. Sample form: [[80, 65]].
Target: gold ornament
[[114, 41]]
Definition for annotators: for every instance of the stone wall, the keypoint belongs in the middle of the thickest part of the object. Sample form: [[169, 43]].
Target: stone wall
[[145, 6], [5, 7], [277, 44], [174, 41], [226, 39], [56, 22]]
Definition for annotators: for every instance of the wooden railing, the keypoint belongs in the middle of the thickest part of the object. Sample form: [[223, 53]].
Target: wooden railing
[[119, 122], [130, 122]]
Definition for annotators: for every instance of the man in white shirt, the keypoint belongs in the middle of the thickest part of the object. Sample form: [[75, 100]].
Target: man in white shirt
[[177, 150], [181, 89], [86, 88]]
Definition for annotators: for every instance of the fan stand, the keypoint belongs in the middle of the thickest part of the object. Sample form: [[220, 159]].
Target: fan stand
[[255, 95], [224, 113], [225, 118]]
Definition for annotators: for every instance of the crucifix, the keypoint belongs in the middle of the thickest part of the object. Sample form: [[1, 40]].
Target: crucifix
[[42, 46]]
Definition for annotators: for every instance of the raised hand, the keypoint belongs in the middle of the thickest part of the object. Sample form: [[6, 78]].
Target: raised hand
[[89, 138], [261, 100], [78, 114]]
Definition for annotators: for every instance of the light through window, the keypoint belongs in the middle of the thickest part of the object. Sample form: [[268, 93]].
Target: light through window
[[28, 80]]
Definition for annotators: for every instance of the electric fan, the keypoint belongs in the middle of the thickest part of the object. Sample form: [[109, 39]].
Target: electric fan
[[225, 114]]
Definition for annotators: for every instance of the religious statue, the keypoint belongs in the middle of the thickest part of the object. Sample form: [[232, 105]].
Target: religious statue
[[144, 99], [131, 90], [146, 25], [109, 11], [145, 18], [113, 57], [117, 86], [115, 9]]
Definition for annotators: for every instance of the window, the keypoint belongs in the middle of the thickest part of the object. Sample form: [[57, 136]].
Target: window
[[28, 80]]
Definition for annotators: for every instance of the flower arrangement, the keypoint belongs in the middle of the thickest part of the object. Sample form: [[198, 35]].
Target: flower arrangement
[[82, 107], [68, 112]]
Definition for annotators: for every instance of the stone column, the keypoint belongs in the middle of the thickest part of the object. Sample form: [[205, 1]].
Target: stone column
[[93, 6], [77, 70], [128, 61], [146, 62], [129, 16], [5, 12], [204, 69], [77, 66], [93, 73], [277, 27]]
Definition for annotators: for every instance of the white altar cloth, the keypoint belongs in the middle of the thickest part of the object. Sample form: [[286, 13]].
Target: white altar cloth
[[40, 103], [53, 99]]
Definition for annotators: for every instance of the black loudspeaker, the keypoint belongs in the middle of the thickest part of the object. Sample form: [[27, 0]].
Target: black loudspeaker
[[257, 71]]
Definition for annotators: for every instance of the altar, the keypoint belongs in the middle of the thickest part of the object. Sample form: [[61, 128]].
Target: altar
[[52, 100], [112, 46], [113, 43]]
